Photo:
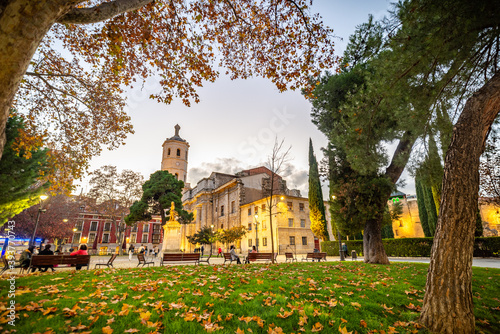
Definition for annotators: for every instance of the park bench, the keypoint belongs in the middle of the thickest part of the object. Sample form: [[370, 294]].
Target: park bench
[[40, 261], [227, 257], [207, 260], [252, 257], [290, 257], [109, 263], [315, 256], [180, 257], [142, 260]]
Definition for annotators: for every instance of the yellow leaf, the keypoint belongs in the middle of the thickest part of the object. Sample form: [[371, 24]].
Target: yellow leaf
[[107, 330], [317, 327], [145, 316], [344, 330], [239, 331], [355, 304]]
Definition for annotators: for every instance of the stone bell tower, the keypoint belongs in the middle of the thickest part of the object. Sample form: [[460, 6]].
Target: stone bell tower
[[175, 155]]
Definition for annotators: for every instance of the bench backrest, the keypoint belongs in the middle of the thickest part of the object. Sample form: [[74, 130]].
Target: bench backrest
[[45, 260], [316, 255], [140, 257], [260, 256], [113, 257], [289, 255], [227, 256], [181, 256]]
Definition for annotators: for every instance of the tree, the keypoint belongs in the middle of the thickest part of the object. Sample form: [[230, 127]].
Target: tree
[[205, 236], [67, 62], [316, 204], [159, 192], [422, 210], [489, 172], [55, 222], [111, 194], [21, 174], [448, 51], [231, 235], [275, 163]]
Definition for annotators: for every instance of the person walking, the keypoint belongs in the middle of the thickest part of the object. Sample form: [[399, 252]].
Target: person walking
[[220, 252], [131, 252], [202, 249]]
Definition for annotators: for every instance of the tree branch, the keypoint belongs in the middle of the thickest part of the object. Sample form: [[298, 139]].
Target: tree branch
[[101, 12], [400, 157]]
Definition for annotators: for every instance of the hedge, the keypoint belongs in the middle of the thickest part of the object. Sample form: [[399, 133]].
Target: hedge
[[413, 247]]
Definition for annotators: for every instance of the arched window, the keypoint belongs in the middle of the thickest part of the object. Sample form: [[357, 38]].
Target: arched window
[[176, 176], [168, 152], [221, 226], [178, 152]]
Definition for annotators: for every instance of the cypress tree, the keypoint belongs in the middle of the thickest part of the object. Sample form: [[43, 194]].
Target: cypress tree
[[422, 211], [479, 224], [430, 207], [316, 204]]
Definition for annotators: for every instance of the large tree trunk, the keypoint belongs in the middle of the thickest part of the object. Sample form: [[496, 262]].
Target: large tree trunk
[[373, 248], [23, 24], [448, 306]]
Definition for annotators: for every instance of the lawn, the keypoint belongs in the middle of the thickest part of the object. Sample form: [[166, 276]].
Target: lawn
[[327, 297]]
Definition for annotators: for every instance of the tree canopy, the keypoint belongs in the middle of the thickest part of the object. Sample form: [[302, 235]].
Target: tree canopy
[[68, 78], [159, 192], [21, 174], [315, 196]]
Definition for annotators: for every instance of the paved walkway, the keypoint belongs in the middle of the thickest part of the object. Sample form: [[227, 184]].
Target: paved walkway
[[124, 262]]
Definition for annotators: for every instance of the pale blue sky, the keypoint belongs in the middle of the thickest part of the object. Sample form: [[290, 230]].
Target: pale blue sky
[[234, 125]]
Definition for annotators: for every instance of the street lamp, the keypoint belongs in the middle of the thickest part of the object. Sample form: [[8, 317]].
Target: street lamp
[[73, 238], [256, 223], [341, 252], [40, 210]]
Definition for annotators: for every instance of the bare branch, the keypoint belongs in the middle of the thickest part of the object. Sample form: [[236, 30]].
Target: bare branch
[[101, 12]]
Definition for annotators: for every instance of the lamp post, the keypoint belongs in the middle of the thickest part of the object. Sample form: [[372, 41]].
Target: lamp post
[[73, 238], [256, 223], [341, 252], [40, 210]]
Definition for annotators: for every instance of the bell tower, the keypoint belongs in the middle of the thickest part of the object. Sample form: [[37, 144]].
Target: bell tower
[[175, 155]]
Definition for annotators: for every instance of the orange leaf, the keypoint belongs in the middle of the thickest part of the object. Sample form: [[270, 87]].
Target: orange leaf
[[362, 323], [107, 330]]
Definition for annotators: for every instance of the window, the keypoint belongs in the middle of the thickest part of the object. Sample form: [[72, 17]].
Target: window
[[107, 226], [302, 223], [250, 243], [93, 226], [145, 238], [400, 223], [396, 233], [264, 224], [168, 152], [256, 209], [233, 207], [156, 238], [222, 210], [292, 241], [290, 222], [145, 228], [264, 241], [263, 207], [79, 225], [178, 152], [177, 176], [133, 238], [221, 226], [249, 226], [304, 241], [290, 206], [91, 238], [301, 206], [76, 238], [105, 238], [134, 228], [249, 211], [156, 229]]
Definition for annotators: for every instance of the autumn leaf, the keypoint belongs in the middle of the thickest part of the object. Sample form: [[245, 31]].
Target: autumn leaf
[[362, 323], [344, 330], [107, 330], [132, 330], [239, 331], [317, 327]]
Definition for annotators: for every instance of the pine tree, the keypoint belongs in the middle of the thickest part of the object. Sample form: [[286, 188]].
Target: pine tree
[[316, 204], [422, 211]]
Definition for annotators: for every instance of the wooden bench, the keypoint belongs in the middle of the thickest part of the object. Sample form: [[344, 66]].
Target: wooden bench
[[290, 257], [142, 260], [39, 261], [109, 263], [180, 257], [252, 257], [315, 256], [207, 260], [227, 257]]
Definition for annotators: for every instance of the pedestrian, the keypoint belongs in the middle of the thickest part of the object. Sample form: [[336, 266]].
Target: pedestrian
[[234, 257], [344, 249], [141, 249], [220, 252], [202, 249], [156, 251], [130, 252], [82, 250], [25, 258]]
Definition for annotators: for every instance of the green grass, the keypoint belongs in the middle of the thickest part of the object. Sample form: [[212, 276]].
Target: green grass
[[289, 298]]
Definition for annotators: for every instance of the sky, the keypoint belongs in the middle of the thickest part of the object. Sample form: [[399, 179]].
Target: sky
[[235, 124]]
